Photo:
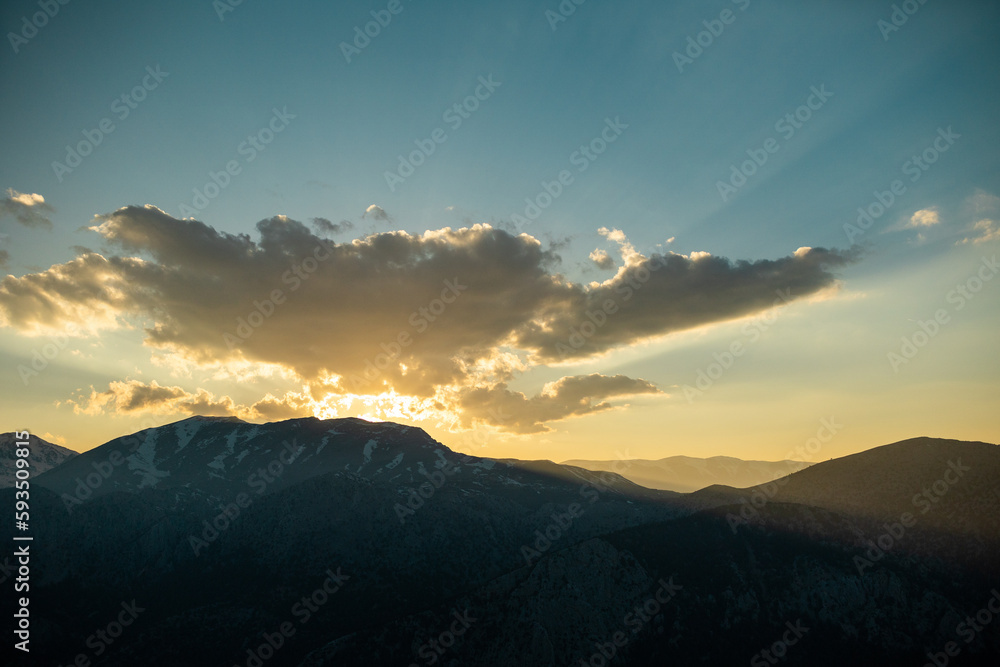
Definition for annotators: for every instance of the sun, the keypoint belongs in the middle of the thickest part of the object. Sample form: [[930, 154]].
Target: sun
[[388, 405]]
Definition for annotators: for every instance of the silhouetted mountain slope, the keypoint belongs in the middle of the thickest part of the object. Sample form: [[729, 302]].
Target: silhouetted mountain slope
[[944, 493], [409, 519], [920, 475], [735, 593], [43, 456], [575, 473], [686, 474], [370, 543]]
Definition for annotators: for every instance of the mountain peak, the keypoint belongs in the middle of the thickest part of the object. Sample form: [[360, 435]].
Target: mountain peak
[[43, 456], [220, 457]]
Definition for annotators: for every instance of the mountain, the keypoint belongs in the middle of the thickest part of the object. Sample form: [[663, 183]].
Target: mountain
[[934, 488], [215, 458], [190, 513], [345, 542], [744, 585], [686, 474], [43, 456]]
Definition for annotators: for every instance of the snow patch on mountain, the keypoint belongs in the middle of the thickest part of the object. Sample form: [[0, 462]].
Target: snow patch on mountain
[[185, 432], [250, 434], [217, 462], [369, 450], [143, 461]]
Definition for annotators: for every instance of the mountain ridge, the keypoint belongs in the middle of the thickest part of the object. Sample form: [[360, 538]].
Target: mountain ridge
[[549, 559], [43, 456]]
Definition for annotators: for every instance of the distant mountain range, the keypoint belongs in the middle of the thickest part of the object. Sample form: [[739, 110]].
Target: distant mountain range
[[686, 474], [43, 456], [343, 542]]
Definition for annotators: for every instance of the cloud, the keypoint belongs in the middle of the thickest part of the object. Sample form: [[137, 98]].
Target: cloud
[[927, 217], [325, 227], [982, 203], [135, 397], [625, 247], [27, 209], [4, 258], [422, 315], [377, 213], [602, 259], [616, 235], [87, 291], [271, 408], [984, 231], [54, 439], [567, 397]]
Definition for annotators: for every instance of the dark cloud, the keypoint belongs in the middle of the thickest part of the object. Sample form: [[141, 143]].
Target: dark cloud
[[417, 314], [326, 228], [138, 396], [376, 212], [568, 397], [602, 259], [28, 209], [663, 294], [133, 396]]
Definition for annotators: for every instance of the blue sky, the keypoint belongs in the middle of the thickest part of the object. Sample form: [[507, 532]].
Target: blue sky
[[657, 181]]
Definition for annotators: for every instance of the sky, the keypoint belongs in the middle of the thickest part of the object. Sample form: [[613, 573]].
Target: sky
[[537, 230]]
